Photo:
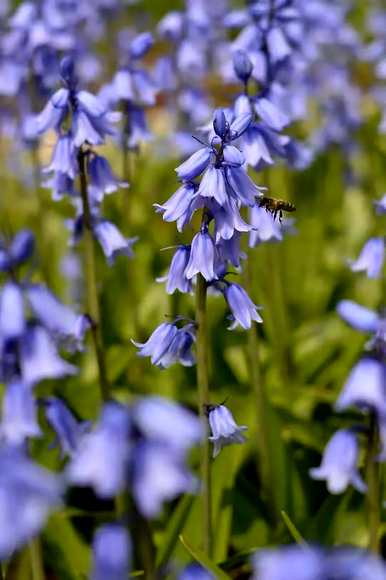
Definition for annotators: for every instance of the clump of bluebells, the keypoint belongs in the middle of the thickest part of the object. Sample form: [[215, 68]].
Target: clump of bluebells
[[81, 122], [365, 386], [213, 181]]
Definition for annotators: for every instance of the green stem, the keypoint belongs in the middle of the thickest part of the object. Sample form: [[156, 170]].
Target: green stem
[[36, 559], [373, 482], [262, 406], [203, 397], [91, 279]]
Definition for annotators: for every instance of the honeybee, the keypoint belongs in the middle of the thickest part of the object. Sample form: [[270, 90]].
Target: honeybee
[[275, 206]]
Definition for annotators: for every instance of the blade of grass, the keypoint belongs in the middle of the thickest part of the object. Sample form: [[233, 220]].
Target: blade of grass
[[203, 559], [293, 529]]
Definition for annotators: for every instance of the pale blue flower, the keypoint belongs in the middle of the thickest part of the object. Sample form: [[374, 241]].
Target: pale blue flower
[[112, 552], [224, 429], [19, 414], [365, 387], [339, 465], [371, 258]]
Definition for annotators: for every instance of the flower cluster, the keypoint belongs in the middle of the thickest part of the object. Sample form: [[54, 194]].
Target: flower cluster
[[365, 387]]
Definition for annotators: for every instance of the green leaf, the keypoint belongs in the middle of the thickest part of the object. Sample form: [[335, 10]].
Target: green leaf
[[203, 559], [173, 530], [293, 529], [64, 550]]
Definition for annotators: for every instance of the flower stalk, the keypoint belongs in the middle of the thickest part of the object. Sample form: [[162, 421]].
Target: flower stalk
[[203, 397], [92, 298]]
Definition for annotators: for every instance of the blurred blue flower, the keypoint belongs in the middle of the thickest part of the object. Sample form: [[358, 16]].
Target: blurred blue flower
[[371, 258], [102, 457], [195, 572], [339, 463], [61, 321], [224, 429], [274, 564], [365, 387], [67, 429], [380, 205], [12, 318], [101, 178], [19, 415], [264, 227], [244, 311], [19, 250], [39, 358], [159, 475], [242, 65], [111, 553], [357, 316], [179, 206], [112, 241], [164, 421], [29, 493]]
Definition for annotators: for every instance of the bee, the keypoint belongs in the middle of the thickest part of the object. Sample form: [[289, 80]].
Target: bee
[[275, 206]]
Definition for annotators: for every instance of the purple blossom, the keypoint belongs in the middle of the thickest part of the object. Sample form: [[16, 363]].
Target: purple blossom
[[175, 278], [19, 417], [29, 494], [111, 553], [365, 387], [101, 178], [168, 345], [102, 457], [339, 463], [113, 243], [195, 572], [265, 227], [357, 316], [202, 256], [271, 564], [371, 258], [244, 311], [159, 475], [224, 429], [67, 429]]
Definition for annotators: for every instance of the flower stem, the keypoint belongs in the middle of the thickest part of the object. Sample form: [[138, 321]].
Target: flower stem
[[373, 482], [91, 279], [36, 559], [203, 397], [262, 407]]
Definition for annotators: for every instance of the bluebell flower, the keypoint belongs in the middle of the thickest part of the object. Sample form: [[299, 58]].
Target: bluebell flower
[[102, 457], [101, 178], [227, 220], [244, 311], [229, 250], [168, 345], [271, 114], [264, 227], [29, 493], [162, 420], [17, 252], [195, 572], [175, 278], [39, 358], [64, 157], [19, 416], [242, 65], [159, 475], [58, 318], [66, 427], [339, 463], [195, 165], [371, 258], [178, 207], [224, 429], [357, 316], [12, 319], [380, 205], [141, 44], [354, 564], [202, 256], [111, 553], [54, 112], [113, 243], [274, 564], [365, 387]]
